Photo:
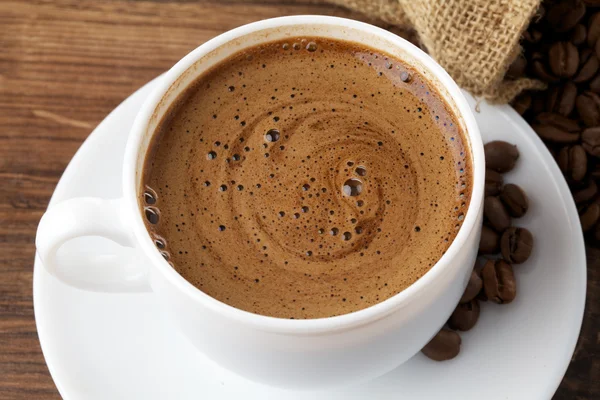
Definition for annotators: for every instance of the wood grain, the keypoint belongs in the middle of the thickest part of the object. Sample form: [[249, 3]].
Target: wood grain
[[64, 65]]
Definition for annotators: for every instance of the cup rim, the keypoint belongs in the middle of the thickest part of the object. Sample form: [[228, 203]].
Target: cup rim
[[318, 325]]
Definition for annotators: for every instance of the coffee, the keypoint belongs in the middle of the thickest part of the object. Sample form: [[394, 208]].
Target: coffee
[[306, 178]]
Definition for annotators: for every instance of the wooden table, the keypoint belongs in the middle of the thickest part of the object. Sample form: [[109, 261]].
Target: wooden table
[[64, 65]]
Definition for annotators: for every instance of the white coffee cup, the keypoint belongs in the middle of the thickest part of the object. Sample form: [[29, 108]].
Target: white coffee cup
[[304, 354]]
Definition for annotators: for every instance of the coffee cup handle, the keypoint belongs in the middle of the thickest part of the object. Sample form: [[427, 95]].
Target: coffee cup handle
[[90, 216]]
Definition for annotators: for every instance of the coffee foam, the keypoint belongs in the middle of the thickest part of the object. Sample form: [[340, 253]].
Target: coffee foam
[[306, 179]]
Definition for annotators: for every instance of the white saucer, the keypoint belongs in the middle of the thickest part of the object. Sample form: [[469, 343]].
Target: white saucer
[[119, 346]]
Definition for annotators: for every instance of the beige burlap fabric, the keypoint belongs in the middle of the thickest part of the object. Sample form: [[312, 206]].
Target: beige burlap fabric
[[474, 40]]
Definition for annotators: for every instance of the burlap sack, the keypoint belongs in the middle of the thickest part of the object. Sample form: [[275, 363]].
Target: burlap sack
[[474, 40]]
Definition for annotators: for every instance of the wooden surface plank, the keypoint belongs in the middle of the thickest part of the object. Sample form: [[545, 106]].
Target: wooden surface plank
[[64, 65]]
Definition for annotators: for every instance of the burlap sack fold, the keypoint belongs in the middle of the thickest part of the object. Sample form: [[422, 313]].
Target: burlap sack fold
[[474, 40]]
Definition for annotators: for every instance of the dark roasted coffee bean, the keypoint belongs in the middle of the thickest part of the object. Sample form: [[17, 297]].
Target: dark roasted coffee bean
[[589, 216], [495, 213], [538, 102], [493, 182], [587, 193], [539, 55], [554, 134], [588, 69], [444, 346], [499, 281], [479, 264], [473, 287], [593, 31], [514, 200], [578, 34], [584, 55], [597, 232], [516, 245], [563, 16], [517, 68], [563, 59], [591, 141], [588, 108], [500, 156], [559, 121], [540, 70], [522, 103], [532, 36], [561, 99], [465, 316], [572, 161], [595, 84], [489, 243]]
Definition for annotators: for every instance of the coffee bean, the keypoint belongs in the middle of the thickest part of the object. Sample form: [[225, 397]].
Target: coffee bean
[[588, 69], [561, 99], [517, 68], [587, 193], [540, 70], [589, 216], [556, 135], [572, 161], [514, 200], [489, 243], [444, 346], [595, 174], [597, 232], [593, 32], [584, 55], [532, 36], [465, 316], [563, 59], [473, 287], [594, 84], [563, 16], [495, 213], [588, 108], [500, 156], [591, 141], [538, 102], [516, 245], [499, 281], [479, 264], [539, 55], [522, 103], [493, 182], [578, 34], [559, 121]]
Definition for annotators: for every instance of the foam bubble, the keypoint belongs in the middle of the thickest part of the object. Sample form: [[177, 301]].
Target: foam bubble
[[352, 187], [361, 171], [272, 135], [150, 196], [152, 215]]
